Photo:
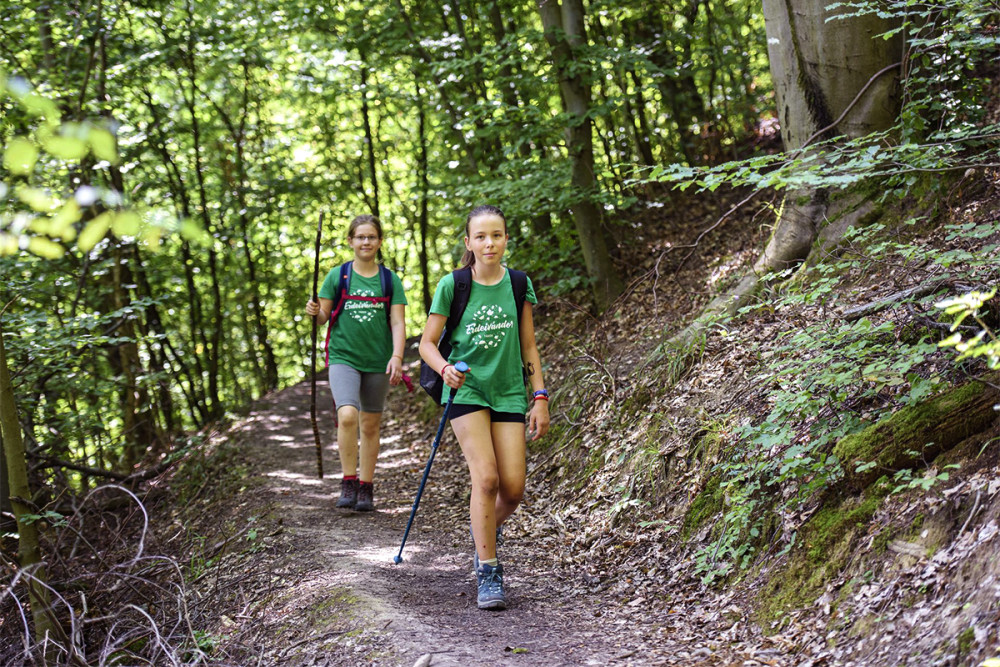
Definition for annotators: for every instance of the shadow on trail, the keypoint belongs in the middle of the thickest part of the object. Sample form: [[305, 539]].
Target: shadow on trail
[[341, 599]]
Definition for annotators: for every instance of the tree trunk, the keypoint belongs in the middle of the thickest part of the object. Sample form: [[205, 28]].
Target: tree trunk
[[215, 407], [541, 222], [671, 53], [128, 363], [269, 380], [425, 188], [29, 549], [369, 143], [445, 94], [916, 434], [564, 31], [819, 67]]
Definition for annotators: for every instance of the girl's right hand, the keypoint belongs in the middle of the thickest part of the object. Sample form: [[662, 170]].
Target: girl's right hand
[[312, 308], [452, 377]]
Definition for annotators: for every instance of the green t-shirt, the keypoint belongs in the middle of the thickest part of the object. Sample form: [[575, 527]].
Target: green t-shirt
[[488, 340], [360, 338]]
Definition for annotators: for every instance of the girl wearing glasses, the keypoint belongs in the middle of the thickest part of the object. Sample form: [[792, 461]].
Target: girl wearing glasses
[[364, 352]]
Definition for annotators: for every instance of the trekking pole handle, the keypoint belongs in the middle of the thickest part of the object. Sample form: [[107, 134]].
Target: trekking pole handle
[[463, 368]]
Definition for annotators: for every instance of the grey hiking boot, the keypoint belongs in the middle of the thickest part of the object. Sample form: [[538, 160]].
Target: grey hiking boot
[[489, 581], [366, 497], [348, 493]]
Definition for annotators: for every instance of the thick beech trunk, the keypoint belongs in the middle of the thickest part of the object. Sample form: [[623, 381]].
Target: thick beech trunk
[[819, 67], [564, 31]]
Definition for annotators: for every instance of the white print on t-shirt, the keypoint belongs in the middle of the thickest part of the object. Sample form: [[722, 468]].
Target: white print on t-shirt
[[363, 311], [489, 324]]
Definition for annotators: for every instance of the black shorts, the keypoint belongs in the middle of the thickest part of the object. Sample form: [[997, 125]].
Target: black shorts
[[462, 409]]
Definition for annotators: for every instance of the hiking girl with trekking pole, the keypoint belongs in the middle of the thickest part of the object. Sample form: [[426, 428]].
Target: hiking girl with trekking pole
[[495, 335], [365, 305]]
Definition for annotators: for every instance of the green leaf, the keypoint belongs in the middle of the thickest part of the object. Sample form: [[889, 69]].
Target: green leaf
[[38, 199], [8, 244], [192, 231], [126, 223], [37, 105], [102, 143], [20, 156], [43, 247], [67, 148], [62, 222], [94, 231]]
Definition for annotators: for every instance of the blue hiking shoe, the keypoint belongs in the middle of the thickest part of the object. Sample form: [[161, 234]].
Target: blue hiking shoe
[[489, 581]]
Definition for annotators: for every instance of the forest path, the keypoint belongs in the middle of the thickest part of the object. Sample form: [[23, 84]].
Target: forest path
[[323, 589]]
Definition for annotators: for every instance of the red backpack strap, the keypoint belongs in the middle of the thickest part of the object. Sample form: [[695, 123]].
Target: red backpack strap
[[339, 297]]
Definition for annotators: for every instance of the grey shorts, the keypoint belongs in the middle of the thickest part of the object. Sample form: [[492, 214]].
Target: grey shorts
[[364, 391]]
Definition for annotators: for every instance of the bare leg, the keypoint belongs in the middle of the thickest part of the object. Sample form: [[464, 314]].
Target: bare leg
[[347, 439], [509, 453], [475, 437], [370, 423]]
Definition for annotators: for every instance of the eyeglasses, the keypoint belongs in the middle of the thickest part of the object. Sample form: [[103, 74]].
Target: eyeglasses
[[366, 239]]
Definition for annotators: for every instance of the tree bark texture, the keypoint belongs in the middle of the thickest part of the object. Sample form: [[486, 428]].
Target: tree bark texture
[[29, 549], [564, 31], [819, 66]]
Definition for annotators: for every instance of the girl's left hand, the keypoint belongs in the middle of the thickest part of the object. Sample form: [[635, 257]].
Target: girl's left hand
[[538, 419], [394, 369]]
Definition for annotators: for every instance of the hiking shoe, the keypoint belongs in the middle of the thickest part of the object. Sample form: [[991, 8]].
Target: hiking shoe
[[348, 493], [366, 497], [489, 581]]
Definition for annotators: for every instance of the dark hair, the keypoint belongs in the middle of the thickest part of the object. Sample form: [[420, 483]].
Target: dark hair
[[469, 258], [365, 219]]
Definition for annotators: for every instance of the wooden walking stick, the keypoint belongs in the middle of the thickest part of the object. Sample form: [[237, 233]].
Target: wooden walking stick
[[312, 364]]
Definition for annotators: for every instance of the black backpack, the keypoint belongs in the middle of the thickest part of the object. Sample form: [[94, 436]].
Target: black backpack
[[430, 381], [342, 296]]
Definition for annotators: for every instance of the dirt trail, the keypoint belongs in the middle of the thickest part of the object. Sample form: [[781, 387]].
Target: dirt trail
[[322, 589]]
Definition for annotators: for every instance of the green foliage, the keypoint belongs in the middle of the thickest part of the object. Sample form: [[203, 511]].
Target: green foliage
[[833, 379], [905, 480], [942, 125], [52, 518], [33, 216], [984, 343]]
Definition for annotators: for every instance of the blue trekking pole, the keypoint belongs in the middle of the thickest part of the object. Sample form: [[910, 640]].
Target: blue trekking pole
[[461, 367]]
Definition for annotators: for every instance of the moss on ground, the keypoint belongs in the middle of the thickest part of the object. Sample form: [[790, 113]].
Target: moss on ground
[[824, 548], [966, 641], [705, 505], [915, 434]]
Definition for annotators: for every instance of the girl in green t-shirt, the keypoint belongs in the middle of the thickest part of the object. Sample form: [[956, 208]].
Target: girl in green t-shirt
[[364, 357], [488, 413]]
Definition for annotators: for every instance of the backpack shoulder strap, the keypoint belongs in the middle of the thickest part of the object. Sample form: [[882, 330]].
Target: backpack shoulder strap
[[385, 275], [519, 283], [345, 277], [343, 288], [459, 301]]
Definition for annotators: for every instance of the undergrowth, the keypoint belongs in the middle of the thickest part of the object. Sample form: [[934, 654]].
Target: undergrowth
[[830, 377]]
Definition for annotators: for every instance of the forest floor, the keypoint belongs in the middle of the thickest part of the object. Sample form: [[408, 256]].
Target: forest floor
[[597, 570], [318, 586]]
